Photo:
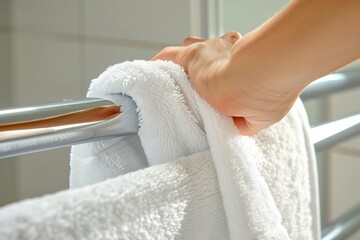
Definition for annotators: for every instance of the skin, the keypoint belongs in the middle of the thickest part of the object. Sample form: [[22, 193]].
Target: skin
[[257, 78]]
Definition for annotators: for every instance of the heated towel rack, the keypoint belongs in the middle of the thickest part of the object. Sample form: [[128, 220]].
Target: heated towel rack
[[42, 127]]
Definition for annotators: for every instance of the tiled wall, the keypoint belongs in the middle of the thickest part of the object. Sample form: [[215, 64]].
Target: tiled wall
[[51, 49], [244, 16], [7, 166], [57, 47], [344, 177]]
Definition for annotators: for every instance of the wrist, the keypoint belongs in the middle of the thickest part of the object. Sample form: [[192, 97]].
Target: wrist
[[246, 83], [256, 62]]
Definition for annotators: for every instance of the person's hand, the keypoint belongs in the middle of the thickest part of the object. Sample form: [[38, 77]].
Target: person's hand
[[202, 59], [253, 101]]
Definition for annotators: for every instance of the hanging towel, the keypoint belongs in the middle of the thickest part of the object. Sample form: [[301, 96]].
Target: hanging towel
[[176, 200], [267, 182], [204, 180]]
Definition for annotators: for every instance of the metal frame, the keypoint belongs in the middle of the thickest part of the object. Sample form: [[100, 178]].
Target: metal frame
[[343, 227], [326, 135], [332, 83], [43, 111], [18, 142]]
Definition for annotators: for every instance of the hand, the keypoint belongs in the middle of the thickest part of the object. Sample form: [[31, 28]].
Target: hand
[[202, 59], [253, 101]]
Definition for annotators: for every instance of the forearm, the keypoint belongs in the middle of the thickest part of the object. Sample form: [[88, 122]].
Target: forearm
[[306, 40]]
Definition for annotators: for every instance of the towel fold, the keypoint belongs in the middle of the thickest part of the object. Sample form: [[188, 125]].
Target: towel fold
[[176, 200], [213, 183]]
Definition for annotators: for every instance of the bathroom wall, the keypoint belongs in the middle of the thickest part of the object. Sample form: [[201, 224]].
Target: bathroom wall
[[52, 49], [338, 167], [7, 166]]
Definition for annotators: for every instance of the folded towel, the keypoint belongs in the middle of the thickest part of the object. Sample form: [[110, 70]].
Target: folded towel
[[261, 178], [264, 187]]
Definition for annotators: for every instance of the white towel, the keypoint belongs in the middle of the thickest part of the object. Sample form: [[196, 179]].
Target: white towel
[[177, 200], [260, 177], [267, 182]]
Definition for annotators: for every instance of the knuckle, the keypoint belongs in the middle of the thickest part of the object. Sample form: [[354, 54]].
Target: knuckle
[[187, 39], [195, 48], [168, 49], [234, 34]]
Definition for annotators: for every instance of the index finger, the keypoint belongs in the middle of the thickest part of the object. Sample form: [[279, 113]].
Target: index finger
[[168, 53]]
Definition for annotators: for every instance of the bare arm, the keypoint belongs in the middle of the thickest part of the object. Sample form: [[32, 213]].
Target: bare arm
[[257, 78]]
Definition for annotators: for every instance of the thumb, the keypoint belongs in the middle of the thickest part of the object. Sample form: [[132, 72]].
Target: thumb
[[245, 127], [191, 40], [168, 53]]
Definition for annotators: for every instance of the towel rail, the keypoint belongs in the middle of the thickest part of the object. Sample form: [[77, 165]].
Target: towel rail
[[40, 134], [19, 142], [44, 111], [326, 135], [344, 226], [331, 83]]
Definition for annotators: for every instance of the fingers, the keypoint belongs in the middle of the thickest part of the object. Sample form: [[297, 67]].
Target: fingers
[[190, 40], [241, 125], [246, 128], [231, 37], [169, 53]]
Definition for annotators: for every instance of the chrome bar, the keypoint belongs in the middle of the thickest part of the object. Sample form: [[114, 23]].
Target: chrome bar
[[331, 83], [343, 227], [29, 113], [326, 135], [19, 142]]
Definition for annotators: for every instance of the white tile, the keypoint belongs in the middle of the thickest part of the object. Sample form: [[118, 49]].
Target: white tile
[[355, 236], [345, 103], [343, 182], [244, 16], [47, 15], [352, 143], [4, 12], [99, 57], [4, 70], [44, 71], [42, 173], [165, 21], [7, 181]]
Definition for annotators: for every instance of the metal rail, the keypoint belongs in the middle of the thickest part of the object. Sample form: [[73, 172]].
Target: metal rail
[[35, 139], [19, 142], [343, 227], [326, 135], [331, 83], [43, 111]]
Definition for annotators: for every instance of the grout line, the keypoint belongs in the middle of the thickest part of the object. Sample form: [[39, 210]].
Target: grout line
[[90, 39], [82, 51], [327, 178]]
